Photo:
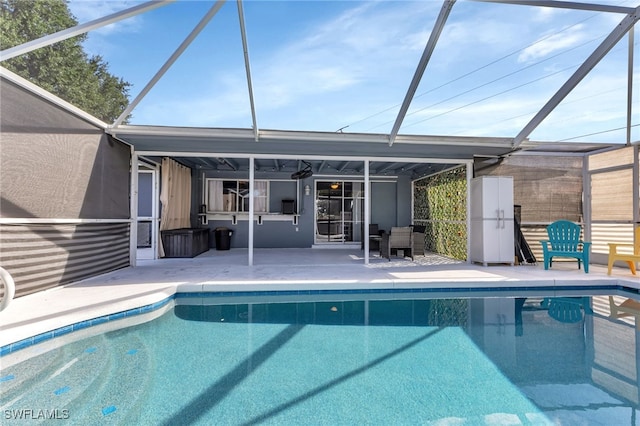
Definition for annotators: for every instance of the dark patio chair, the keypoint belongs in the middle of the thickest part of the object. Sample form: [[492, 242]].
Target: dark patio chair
[[417, 248], [374, 237], [400, 238]]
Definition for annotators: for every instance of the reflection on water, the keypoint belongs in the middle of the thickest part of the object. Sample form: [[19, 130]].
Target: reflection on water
[[550, 347]]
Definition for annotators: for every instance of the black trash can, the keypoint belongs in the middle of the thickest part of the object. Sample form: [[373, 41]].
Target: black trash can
[[223, 238]]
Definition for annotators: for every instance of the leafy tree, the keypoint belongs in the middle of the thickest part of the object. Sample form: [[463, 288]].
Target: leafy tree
[[63, 68]]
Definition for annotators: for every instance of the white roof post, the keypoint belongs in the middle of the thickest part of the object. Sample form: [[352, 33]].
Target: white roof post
[[367, 210], [252, 171]]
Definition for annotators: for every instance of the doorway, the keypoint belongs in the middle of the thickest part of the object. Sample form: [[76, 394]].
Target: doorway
[[147, 215], [339, 212]]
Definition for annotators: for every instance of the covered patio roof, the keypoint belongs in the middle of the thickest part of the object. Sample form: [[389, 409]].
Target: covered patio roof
[[329, 153]]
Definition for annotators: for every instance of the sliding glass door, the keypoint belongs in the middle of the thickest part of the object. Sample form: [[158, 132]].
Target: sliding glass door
[[339, 212]]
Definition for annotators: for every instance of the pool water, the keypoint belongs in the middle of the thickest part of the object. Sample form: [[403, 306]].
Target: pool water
[[419, 361]]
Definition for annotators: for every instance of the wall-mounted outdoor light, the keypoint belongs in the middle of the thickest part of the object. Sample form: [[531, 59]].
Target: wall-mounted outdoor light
[[307, 190]]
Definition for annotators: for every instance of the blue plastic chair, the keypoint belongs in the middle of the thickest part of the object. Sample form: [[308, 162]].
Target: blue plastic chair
[[564, 241]]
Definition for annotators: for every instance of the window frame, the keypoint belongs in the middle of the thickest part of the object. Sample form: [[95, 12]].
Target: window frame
[[238, 199]]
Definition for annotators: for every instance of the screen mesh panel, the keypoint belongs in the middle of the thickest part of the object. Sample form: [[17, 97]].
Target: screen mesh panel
[[44, 256], [55, 165]]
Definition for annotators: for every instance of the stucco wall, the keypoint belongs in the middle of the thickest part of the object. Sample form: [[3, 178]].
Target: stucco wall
[[391, 206]]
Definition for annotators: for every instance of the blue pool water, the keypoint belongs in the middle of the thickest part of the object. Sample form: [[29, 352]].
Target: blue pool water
[[527, 360]]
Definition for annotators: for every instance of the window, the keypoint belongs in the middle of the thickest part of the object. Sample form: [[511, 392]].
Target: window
[[233, 196]]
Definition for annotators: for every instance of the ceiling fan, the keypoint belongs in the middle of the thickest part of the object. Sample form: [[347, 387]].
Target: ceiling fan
[[304, 173]]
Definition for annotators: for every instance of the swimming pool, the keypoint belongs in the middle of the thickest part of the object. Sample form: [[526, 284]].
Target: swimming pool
[[343, 359]]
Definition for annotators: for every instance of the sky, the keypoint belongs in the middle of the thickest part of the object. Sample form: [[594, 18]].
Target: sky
[[330, 65]]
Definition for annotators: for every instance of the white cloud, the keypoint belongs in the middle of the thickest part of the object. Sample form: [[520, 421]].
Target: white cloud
[[89, 10], [547, 14], [553, 43], [489, 32], [357, 47]]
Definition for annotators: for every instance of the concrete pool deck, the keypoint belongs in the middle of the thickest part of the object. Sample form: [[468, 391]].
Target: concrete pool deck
[[279, 270]]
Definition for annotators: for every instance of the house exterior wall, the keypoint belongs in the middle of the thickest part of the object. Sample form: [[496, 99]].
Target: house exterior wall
[[383, 204], [64, 194], [391, 206], [403, 201]]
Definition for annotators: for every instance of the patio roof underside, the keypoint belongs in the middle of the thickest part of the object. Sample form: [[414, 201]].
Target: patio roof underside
[[328, 153]]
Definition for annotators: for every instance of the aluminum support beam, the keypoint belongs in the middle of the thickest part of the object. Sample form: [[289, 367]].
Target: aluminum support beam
[[410, 167], [209, 163], [234, 166], [587, 196], [566, 5], [343, 167], [183, 46], [630, 85], [155, 211], [422, 65], [623, 27], [133, 210], [387, 167], [470, 176], [636, 184], [80, 29], [247, 67]]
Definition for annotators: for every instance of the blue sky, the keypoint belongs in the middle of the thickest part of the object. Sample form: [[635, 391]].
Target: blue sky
[[326, 65]]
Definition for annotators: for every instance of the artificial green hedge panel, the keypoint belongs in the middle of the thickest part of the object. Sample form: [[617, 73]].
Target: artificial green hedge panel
[[440, 203]]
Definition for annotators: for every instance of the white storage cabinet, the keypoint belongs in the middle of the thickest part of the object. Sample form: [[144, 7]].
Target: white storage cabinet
[[492, 227]]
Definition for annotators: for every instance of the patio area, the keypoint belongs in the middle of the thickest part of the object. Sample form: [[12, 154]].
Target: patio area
[[295, 271]]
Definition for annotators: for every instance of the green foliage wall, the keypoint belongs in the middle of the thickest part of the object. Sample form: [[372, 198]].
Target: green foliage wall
[[440, 203]]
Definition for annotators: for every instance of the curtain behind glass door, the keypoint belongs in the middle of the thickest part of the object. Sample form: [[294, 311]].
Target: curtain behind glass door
[[339, 212]]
